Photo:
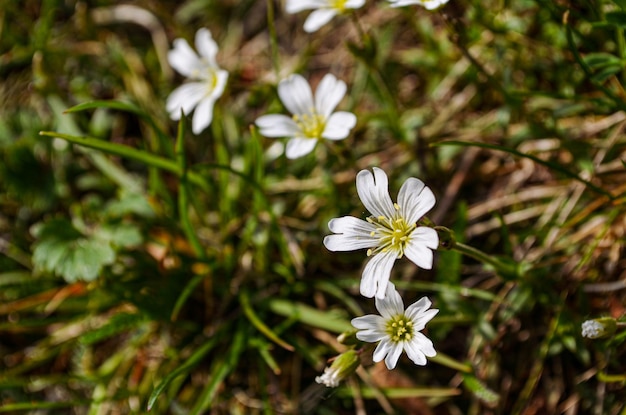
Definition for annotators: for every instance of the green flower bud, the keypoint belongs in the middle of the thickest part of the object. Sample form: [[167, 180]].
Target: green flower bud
[[343, 366], [599, 327]]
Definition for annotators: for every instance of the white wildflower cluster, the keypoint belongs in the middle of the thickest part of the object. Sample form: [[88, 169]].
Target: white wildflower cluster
[[392, 230]]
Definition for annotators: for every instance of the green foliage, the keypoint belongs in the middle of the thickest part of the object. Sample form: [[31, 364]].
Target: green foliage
[[143, 267], [63, 250]]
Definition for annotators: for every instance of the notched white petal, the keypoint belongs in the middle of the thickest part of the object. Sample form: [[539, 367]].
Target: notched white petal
[[376, 274], [276, 125], [295, 94], [373, 190], [298, 147], [391, 304]]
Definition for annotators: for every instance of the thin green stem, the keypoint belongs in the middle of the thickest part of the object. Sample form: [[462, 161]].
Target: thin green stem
[[183, 193], [621, 46], [271, 27], [499, 266]]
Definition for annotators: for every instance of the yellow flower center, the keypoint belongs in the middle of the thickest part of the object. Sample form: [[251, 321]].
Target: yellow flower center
[[205, 73], [393, 233], [338, 4], [399, 328], [311, 125]]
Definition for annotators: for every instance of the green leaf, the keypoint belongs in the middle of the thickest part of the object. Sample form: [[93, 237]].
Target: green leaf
[[313, 317], [122, 235], [63, 250], [600, 60], [128, 152], [118, 323], [401, 393], [616, 18], [127, 204], [116, 105], [244, 299], [606, 73]]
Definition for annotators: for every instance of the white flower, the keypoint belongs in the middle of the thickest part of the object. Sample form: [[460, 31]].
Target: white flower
[[312, 119], [390, 232], [428, 4], [207, 80], [397, 329], [324, 10]]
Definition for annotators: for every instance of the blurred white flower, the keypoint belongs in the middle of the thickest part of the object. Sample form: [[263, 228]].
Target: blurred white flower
[[397, 329], [323, 10], [313, 119], [390, 232], [206, 80], [428, 4]]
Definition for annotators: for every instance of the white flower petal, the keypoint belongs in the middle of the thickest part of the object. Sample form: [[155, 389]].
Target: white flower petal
[[295, 93], [418, 250], [382, 349], [220, 84], [318, 18], [354, 4], [419, 254], [203, 115], [351, 226], [338, 126], [424, 344], [391, 305], [370, 336], [376, 274], [298, 147], [353, 233], [392, 357], [276, 125], [295, 6], [414, 352], [368, 322], [206, 46], [420, 306], [424, 235], [182, 58], [185, 97], [328, 94], [415, 199], [422, 319], [340, 242], [373, 190]]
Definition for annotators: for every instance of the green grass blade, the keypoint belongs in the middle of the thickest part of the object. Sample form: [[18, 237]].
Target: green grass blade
[[129, 107], [311, 316], [129, 153], [402, 393], [31, 406], [186, 367], [221, 369], [244, 299]]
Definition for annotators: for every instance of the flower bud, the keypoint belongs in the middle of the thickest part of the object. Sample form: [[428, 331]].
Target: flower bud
[[348, 338], [343, 366], [599, 327]]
